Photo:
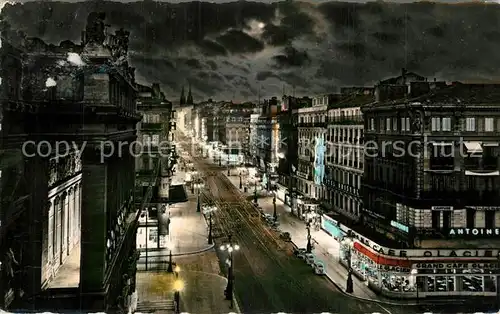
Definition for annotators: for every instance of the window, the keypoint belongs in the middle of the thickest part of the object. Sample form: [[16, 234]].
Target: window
[[436, 215], [446, 124], [489, 219], [156, 139], [372, 124], [436, 124], [470, 124], [471, 218], [388, 124], [488, 124], [403, 124], [407, 123], [394, 124], [146, 139]]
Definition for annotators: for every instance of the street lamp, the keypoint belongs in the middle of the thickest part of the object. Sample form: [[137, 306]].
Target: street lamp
[[230, 248], [210, 210], [169, 268], [178, 287], [177, 270], [308, 226], [241, 183], [198, 185], [275, 214], [255, 192]]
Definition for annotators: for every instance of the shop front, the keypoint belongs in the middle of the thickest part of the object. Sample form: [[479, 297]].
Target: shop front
[[281, 193], [421, 273]]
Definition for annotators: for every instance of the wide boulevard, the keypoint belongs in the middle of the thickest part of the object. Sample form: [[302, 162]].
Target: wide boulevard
[[268, 278]]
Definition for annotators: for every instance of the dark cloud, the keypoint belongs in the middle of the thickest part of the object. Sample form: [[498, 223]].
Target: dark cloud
[[237, 41], [212, 48], [312, 47], [264, 75]]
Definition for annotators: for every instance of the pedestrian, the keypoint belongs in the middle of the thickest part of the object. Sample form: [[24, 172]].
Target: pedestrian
[[349, 285]]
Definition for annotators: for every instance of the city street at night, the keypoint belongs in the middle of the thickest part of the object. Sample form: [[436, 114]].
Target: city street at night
[[268, 277]]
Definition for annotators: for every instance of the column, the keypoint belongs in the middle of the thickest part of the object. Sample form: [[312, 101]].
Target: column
[[78, 203], [37, 177], [71, 218], [58, 232], [93, 220], [64, 231], [47, 241]]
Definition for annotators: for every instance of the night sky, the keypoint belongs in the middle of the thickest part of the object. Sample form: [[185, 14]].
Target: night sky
[[230, 50]]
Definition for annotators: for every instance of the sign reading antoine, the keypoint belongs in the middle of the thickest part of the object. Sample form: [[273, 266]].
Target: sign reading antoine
[[319, 160]]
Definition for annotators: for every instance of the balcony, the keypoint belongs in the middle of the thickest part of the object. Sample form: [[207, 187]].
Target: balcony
[[478, 164], [346, 120], [311, 124], [151, 126], [442, 163]]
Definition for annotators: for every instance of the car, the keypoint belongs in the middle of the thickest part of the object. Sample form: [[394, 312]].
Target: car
[[309, 257], [286, 236], [299, 252], [319, 268]]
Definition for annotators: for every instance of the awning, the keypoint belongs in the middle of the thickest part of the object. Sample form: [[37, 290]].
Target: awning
[[380, 259], [482, 174], [473, 147]]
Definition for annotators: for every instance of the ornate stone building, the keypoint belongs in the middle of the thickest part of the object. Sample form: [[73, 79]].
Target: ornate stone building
[[68, 215]]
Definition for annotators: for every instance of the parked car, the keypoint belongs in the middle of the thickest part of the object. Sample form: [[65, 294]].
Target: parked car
[[319, 268], [286, 236], [299, 252], [310, 258]]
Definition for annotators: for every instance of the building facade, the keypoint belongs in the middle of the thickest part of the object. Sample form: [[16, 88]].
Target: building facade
[[72, 220], [345, 152], [154, 165], [430, 184], [310, 172]]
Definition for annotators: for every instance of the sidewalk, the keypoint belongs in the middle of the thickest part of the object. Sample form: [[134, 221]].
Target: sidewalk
[[326, 248], [188, 235]]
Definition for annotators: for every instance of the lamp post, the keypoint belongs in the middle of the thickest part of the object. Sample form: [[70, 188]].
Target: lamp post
[[198, 185], [178, 287], [210, 210], [230, 248], [241, 183], [228, 169], [177, 270], [275, 214], [169, 268], [255, 192], [308, 226]]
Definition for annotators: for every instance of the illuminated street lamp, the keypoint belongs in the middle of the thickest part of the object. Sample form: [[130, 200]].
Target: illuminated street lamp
[[209, 210], [198, 185], [230, 248], [177, 270], [178, 287]]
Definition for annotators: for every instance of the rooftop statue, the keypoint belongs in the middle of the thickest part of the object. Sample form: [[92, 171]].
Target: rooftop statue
[[95, 30]]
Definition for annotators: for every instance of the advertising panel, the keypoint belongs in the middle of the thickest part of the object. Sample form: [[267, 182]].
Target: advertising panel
[[319, 160]]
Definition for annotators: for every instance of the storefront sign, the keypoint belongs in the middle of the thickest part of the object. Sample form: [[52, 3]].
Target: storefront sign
[[458, 253], [379, 249], [399, 226], [456, 266], [396, 269], [475, 231], [442, 208]]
